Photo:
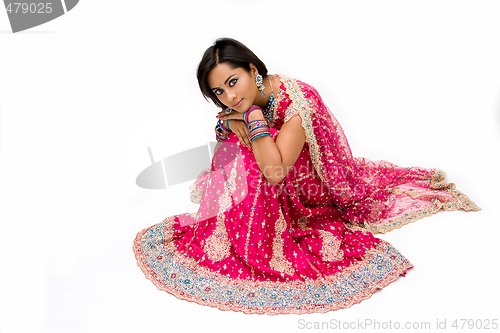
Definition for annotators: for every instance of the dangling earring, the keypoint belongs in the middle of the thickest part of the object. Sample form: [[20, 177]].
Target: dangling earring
[[260, 84]]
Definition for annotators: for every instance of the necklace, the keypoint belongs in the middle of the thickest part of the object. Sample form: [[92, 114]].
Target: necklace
[[269, 111]]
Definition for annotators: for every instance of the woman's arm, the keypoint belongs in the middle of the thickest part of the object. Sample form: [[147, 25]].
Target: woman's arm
[[275, 159]]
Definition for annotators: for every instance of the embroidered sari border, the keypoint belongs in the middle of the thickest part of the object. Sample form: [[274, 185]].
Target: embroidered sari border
[[182, 277]]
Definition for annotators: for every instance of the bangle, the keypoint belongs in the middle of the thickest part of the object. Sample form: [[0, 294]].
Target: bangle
[[258, 136], [256, 124], [220, 123], [258, 131], [221, 133], [246, 114], [219, 137]]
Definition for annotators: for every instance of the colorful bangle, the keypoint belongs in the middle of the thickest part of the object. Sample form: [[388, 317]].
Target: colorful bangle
[[252, 138], [220, 137], [258, 136], [256, 123], [259, 131], [221, 133], [220, 123]]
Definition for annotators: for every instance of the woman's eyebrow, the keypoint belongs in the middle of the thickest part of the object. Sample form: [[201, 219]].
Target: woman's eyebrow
[[229, 78]]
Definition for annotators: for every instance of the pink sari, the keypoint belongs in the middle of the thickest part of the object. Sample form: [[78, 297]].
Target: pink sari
[[304, 245]]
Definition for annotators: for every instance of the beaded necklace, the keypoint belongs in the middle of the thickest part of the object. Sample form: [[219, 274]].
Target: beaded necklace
[[269, 111]]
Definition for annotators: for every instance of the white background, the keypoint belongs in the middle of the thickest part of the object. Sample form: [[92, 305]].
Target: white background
[[416, 83]]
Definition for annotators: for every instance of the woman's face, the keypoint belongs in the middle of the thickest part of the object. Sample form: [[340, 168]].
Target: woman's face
[[235, 88]]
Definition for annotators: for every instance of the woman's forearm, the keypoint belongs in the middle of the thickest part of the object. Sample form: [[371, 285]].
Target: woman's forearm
[[269, 159], [267, 154]]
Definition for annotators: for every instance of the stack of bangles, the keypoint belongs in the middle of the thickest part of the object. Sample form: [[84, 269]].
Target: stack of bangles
[[221, 131], [257, 128]]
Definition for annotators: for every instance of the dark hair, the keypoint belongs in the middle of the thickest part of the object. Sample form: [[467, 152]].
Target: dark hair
[[229, 51]]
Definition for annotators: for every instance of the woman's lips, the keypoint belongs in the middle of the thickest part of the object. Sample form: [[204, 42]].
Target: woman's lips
[[237, 104]]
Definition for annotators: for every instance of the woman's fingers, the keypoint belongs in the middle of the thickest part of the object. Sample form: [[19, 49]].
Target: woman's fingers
[[234, 115], [240, 138], [243, 133], [246, 138], [243, 137]]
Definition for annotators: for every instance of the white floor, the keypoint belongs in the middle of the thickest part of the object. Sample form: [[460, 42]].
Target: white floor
[[84, 96]]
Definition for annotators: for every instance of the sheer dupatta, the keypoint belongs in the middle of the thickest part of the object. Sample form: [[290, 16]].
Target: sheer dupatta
[[376, 195]]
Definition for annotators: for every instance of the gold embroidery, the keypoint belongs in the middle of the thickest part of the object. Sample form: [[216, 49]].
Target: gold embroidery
[[302, 223], [302, 105], [459, 201], [168, 230], [217, 246], [250, 219], [278, 261], [330, 250]]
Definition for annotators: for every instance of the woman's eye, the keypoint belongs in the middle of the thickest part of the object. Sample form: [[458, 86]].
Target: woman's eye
[[232, 82], [218, 92]]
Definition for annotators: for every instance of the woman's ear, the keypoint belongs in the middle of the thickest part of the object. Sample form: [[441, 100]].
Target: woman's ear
[[253, 70]]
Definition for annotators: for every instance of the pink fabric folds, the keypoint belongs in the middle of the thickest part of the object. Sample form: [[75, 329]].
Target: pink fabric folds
[[377, 195]]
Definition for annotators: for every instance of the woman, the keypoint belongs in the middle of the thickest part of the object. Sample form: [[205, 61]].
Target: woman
[[287, 214]]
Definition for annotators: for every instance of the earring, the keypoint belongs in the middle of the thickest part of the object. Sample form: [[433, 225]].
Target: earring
[[260, 84]]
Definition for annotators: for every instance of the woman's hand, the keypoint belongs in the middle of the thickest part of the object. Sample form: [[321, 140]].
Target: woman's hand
[[237, 126]]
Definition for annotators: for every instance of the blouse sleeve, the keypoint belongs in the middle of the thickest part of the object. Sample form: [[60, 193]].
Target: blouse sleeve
[[290, 112]]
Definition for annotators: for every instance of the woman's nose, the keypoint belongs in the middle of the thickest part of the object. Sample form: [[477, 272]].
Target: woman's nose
[[231, 94]]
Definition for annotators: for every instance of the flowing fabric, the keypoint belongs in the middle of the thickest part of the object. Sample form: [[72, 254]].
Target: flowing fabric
[[304, 245]]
